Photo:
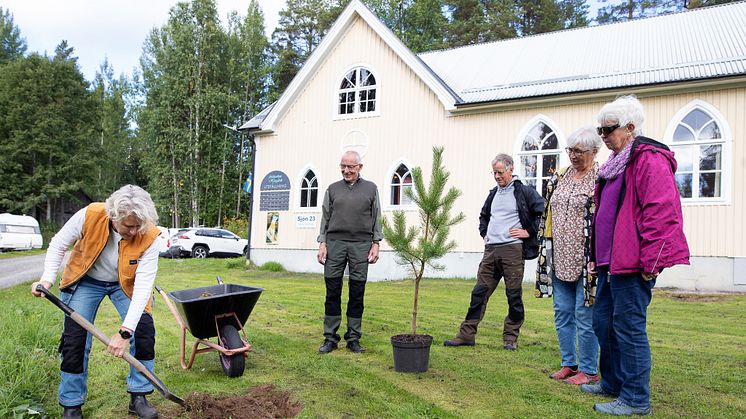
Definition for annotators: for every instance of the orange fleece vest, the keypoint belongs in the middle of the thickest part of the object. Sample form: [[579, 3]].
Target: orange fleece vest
[[95, 235]]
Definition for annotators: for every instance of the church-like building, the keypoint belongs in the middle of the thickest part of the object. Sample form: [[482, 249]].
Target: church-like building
[[363, 89]]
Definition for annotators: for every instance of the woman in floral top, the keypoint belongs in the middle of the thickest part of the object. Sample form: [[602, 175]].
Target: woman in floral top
[[562, 267]]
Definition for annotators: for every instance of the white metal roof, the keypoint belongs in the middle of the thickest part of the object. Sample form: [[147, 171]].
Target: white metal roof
[[697, 44]]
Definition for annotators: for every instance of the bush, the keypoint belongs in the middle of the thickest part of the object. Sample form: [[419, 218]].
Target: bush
[[272, 267], [238, 226]]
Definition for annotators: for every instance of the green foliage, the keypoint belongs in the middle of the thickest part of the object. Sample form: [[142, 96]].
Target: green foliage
[[285, 332], [239, 226], [197, 79], [12, 45], [47, 143], [617, 11], [422, 245], [302, 26], [272, 267]]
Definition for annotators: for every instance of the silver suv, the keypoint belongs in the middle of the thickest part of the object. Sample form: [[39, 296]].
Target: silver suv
[[203, 242]]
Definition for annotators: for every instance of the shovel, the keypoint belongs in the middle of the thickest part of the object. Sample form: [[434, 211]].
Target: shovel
[[77, 318]]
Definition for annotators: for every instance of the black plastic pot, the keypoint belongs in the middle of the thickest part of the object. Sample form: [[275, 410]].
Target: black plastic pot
[[411, 352]]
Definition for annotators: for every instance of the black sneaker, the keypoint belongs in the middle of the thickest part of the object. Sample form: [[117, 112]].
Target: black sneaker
[[327, 347], [354, 346]]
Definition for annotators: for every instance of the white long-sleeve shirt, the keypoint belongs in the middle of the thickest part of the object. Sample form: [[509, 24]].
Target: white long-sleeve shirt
[[106, 266]]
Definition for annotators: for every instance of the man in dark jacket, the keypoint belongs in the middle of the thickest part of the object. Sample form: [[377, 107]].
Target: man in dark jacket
[[508, 223]]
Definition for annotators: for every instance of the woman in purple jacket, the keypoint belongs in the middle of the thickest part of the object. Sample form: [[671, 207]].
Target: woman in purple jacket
[[637, 232]]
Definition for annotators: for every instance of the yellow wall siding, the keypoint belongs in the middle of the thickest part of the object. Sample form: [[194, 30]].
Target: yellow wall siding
[[412, 120]]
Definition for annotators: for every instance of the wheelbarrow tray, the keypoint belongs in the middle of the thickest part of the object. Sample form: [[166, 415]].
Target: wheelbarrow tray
[[199, 306]]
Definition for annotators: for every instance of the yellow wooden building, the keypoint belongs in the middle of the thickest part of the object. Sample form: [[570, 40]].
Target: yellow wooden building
[[363, 89]]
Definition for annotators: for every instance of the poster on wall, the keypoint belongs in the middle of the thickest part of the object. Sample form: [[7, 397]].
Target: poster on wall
[[273, 221], [305, 221]]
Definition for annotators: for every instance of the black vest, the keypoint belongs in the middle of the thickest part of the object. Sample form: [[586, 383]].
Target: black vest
[[351, 207]]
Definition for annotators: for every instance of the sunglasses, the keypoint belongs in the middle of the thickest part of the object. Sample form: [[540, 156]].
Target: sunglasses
[[607, 129]]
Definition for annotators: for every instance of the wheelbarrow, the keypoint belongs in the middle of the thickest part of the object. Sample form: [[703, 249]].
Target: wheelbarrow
[[214, 311]]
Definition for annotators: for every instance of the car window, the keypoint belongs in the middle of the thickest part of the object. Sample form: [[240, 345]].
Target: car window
[[208, 233], [227, 234]]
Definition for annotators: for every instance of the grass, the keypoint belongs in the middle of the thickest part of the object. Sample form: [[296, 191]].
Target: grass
[[698, 344], [22, 253]]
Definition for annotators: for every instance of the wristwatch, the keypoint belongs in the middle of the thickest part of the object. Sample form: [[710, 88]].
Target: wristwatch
[[125, 334]]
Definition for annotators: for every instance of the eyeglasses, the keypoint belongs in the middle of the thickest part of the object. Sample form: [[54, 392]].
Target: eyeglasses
[[607, 129], [348, 166], [575, 152]]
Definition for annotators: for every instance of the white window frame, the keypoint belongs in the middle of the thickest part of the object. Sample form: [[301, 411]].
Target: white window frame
[[518, 145], [357, 114], [299, 181], [386, 201], [726, 142]]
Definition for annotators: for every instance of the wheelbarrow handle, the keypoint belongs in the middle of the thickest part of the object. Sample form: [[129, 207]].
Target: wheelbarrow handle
[[84, 323]]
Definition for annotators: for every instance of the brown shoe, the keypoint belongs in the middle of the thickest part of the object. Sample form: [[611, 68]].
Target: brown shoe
[[564, 373], [457, 341], [583, 378]]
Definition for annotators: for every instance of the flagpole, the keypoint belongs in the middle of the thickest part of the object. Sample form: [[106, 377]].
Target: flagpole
[[252, 153]]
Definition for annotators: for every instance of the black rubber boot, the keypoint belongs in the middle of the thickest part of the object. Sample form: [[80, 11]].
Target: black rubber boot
[[72, 412], [139, 406]]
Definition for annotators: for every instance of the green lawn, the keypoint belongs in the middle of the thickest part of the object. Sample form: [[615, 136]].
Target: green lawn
[[698, 344]]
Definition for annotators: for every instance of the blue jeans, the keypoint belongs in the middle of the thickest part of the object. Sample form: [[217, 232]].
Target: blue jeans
[[85, 298], [572, 318], [619, 319]]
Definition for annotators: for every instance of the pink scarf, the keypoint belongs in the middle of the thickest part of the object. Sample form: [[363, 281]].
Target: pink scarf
[[616, 163]]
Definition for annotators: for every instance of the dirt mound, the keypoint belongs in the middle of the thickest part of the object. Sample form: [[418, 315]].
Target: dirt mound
[[261, 402]]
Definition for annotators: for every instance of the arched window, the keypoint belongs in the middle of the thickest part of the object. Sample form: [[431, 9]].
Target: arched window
[[309, 190], [539, 156], [701, 148], [401, 180], [357, 92]]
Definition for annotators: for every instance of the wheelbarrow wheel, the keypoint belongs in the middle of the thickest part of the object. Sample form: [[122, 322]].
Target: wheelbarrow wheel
[[233, 365]]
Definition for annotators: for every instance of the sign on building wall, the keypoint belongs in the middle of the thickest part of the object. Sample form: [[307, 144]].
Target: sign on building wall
[[274, 192], [305, 220]]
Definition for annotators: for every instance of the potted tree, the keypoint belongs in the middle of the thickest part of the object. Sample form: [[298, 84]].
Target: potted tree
[[420, 246]]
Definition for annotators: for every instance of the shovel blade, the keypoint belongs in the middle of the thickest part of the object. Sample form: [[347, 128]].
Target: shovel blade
[[175, 399]]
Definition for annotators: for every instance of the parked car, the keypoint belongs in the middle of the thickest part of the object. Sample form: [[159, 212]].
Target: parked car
[[203, 242], [19, 232], [164, 242]]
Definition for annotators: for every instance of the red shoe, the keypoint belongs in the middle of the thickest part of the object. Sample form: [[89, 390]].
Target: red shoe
[[563, 373], [582, 378]]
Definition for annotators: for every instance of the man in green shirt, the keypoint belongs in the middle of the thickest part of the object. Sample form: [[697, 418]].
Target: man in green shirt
[[349, 237]]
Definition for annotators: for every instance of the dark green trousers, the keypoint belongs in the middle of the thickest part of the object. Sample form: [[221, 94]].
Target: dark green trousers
[[343, 255]]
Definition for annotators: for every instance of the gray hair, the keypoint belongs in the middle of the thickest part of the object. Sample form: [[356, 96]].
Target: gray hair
[[585, 137], [354, 153], [505, 159], [624, 110], [132, 200]]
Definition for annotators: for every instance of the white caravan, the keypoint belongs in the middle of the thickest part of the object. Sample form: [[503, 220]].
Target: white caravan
[[19, 232]]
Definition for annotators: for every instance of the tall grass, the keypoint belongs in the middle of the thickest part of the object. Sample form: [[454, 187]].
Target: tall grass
[[699, 353]]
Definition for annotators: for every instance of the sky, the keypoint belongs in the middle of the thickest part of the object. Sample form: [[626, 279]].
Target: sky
[[115, 29]]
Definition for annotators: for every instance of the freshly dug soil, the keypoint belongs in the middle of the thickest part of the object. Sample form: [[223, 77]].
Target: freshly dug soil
[[261, 402], [422, 339]]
